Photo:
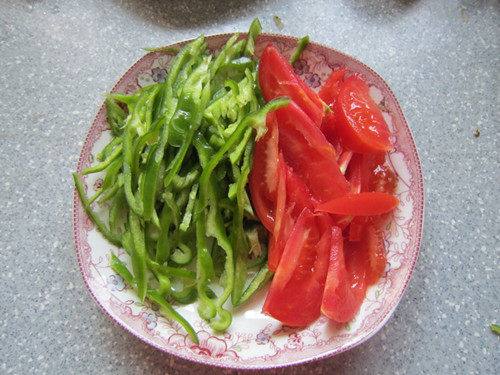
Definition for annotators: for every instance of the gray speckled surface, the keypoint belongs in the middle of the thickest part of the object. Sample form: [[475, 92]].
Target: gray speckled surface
[[441, 58]]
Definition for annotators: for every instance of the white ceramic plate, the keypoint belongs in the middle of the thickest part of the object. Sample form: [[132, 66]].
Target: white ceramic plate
[[255, 340]]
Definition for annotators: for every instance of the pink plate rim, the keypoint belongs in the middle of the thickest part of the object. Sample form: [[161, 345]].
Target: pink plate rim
[[418, 211]]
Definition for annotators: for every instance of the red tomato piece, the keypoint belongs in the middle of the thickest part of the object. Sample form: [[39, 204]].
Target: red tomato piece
[[277, 78], [263, 179], [330, 90], [375, 174], [373, 243], [275, 243], [359, 121], [353, 173], [345, 285], [293, 197], [311, 156], [296, 291], [356, 228], [362, 204]]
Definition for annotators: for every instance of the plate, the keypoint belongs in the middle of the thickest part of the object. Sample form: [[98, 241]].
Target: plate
[[255, 340]]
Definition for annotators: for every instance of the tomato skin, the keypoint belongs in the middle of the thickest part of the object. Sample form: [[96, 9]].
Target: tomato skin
[[277, 78], [311, 156], [345, 285], [296, 290], [359, 121], [362, 204], [330, 90], [263, 179]]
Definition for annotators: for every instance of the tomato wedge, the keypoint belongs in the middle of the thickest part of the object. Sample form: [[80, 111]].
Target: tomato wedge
[[373, 244], [277, 78], [362, 204], [311, 156], [293, 197], [296, 291], [359, 121], [330, 90], [345, 285], [263, 179]]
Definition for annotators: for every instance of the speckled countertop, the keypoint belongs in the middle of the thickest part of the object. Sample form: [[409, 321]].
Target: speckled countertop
[[441, 59]]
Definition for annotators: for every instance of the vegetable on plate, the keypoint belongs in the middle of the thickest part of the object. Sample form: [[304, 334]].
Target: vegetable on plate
[[233, 167]]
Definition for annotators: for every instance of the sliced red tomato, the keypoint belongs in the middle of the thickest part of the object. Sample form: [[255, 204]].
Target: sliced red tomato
[[296, 291], [373, 243], [281, 223], [356, 228], [311, 156], [345, 285], [353, 173], [375, 174], [277, 78], [362, 204], [293, 197], [359, 121], [263, 179], [330, 90]]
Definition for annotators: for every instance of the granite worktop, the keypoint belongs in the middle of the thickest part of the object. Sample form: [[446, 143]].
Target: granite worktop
[[441, 58]]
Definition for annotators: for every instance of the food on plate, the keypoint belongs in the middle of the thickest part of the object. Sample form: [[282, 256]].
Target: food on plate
[[235, 167]]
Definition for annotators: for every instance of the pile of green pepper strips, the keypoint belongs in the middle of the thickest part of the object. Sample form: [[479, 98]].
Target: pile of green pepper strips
[[176, 177]]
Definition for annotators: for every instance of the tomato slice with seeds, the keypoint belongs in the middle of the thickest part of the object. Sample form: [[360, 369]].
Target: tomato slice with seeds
[[295, 294], [359, 121]]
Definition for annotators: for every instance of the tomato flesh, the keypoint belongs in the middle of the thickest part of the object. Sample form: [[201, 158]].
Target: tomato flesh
[[362, 204], [263, 179], [277, 78], [359, 121], [293, 197], [311, 156], [296, 290], [345, 285], [330, 90]]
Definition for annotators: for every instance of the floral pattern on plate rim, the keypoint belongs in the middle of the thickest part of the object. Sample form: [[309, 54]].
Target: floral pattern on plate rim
[[265, 342]]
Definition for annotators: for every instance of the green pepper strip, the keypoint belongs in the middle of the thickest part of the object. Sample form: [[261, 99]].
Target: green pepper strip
[[101, 166], [253, 32], [223, 55], [112, 191], [179, 182], [182, 255], [116, 116], [188, 116], [115, 211], [186, 220], [93, 216], [240, 241], [204, 267], [138, 254], [162, 246], [301, 46], [108, 149], [171, 271], [260, 279], [128, 157], [165, 308], [194, 48]]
